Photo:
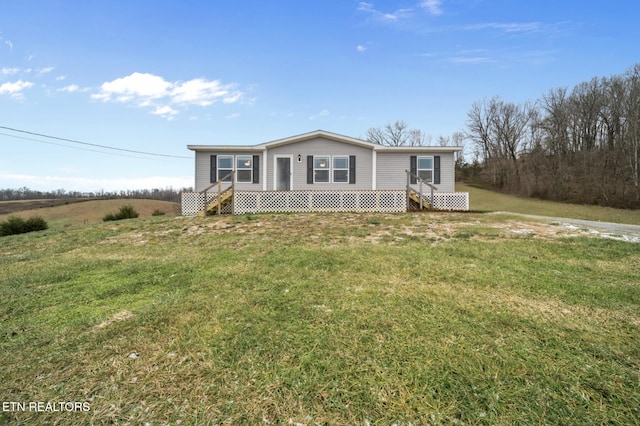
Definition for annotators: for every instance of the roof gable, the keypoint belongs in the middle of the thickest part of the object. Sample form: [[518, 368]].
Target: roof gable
[[319, 134], [325, 135]]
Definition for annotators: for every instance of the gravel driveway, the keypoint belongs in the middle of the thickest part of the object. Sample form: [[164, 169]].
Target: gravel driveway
[[617, 231]]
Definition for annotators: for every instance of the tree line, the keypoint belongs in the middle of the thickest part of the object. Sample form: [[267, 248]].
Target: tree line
[[580, 145], [24, 193]]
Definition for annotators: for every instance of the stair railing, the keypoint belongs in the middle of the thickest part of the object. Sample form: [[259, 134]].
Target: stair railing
[[218, 183], [420, 182]]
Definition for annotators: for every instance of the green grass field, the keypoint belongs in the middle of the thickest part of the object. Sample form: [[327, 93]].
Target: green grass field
[[482, 200], [321, 319]]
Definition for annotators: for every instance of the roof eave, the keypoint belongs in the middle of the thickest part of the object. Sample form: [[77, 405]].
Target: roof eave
[[382, 148], [227, 148]]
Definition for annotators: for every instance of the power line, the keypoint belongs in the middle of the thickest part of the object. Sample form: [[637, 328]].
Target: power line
[[79, 148], [93, 144]]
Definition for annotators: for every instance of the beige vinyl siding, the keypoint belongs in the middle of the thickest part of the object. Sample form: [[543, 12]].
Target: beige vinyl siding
[[321, 146], [203, 171], [391, 166]]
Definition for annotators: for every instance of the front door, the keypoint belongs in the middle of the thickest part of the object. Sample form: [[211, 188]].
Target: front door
[[283, 173]]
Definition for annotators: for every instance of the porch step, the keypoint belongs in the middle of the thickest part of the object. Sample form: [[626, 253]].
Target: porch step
[[414, 198], [212, 208]]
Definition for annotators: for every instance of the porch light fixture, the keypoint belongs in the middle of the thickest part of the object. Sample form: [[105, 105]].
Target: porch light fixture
[[299, 158]]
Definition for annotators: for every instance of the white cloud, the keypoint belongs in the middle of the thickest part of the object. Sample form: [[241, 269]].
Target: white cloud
[[232, 116], [432, 6], [9, 71], [323, 113], [165, 111], [8, 43], [361, 48], [384, 17], [70, 183], [135, 87], [15, 89], [513, 27], [204, 92], [166, 98], [46, 70], [68, 170], [73, 88]]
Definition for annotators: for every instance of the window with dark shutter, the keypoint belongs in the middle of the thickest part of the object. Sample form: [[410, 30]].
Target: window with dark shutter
[[309, 169], [413, 168], [256, 169], [436, 169], [352, 169], [340, 169], [213, 174], [244, 168]]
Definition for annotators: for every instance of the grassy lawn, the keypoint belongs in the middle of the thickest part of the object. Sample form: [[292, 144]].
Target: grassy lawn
[[321, 319], [482, 200]]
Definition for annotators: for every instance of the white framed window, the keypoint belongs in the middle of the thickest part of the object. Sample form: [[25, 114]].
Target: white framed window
[[244, 168], [225, 166], [341, 169], [425, 168], [321, 168]]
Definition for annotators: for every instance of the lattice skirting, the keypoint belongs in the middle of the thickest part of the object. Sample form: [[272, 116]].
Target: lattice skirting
[[191, 203], [319, 201], [194, 202], [449, 201]]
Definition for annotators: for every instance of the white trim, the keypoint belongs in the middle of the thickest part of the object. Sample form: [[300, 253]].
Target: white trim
[[374, 169], [264, 170], [418, 157], [328, 169], [275, 167], [218, 168], [237, 169], [333, 168], [325, 135]]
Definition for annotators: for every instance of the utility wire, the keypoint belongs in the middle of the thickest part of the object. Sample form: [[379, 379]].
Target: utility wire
[[93, 144], [79, 148]]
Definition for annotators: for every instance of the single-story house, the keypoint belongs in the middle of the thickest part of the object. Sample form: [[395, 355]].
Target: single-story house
[[322, 171]]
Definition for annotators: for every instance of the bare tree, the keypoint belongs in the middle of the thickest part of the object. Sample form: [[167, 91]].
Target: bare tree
[[397, 134], [581, 145]]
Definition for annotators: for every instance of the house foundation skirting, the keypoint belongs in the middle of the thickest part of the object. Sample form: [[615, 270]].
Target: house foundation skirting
[[448, 201], [321, 201]]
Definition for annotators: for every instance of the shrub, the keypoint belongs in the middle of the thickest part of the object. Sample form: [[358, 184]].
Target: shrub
[[17, 225], [36, 223], [126, 212], [157, 212]]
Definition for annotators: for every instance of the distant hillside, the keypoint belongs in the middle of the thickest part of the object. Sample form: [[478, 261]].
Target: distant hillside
[[81, 211]]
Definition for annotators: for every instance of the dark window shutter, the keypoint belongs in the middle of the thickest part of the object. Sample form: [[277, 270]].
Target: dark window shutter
[[436, 170], [352, 169], [214, 169], [413, 168], [309, 168], [256, 169]]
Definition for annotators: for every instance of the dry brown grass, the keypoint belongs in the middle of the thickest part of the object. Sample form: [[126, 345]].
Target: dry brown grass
[[86, 212]]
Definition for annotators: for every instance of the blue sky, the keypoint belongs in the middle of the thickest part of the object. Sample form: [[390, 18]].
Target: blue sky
[[156, 76]]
